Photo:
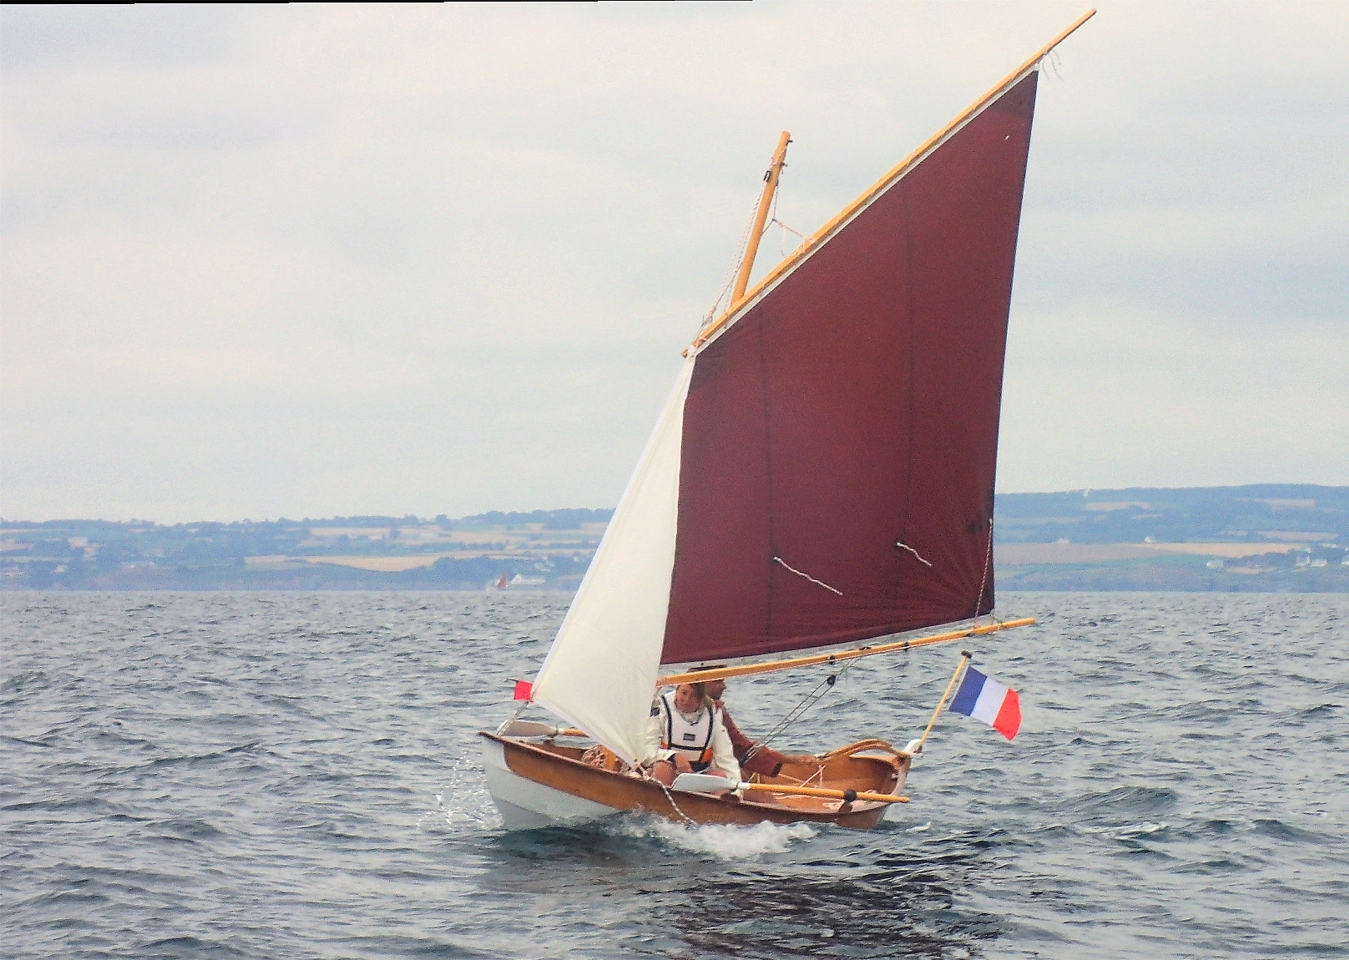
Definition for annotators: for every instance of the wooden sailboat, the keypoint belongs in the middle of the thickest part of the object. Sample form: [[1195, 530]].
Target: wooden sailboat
[[821, 475]]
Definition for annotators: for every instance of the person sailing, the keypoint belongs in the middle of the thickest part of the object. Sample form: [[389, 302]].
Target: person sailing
[[686, 735], [753, 758]]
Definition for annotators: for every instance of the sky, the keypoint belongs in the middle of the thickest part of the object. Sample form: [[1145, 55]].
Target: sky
[[340, 260]]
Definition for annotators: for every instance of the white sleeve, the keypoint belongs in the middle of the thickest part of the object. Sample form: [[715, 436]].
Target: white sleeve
[[723, 754], [655, 732]]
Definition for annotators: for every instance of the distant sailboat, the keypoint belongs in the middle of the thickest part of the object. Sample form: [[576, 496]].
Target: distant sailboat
[[821, 474]]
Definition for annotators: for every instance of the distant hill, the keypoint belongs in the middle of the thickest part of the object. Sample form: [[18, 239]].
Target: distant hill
[[1264, 537], [547, 519], [1134, 514], [1271, 537]]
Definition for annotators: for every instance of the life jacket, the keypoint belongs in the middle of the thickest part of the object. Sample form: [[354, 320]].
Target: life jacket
[[693, 741]]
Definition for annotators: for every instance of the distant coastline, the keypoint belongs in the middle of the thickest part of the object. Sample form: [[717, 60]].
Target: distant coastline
[[1261, 538]]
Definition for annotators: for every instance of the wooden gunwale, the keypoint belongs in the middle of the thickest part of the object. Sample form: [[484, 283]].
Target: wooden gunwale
[[560, 768]]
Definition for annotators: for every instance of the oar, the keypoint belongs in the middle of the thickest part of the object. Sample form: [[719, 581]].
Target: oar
[[533, 728], [707, 783]]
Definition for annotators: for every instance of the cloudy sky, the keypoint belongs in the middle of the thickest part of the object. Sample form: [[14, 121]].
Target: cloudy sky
[[340, 260]]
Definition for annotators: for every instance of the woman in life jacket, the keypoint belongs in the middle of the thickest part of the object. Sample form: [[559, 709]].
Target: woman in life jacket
[[686, 735]]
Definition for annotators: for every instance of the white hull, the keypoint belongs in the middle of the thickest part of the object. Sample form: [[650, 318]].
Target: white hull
[[526, 805]]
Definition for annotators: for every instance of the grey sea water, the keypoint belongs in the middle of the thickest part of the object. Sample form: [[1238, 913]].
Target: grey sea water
[[297, 775]]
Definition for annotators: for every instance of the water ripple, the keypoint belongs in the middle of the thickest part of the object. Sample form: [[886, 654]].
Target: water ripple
[[264, 775]]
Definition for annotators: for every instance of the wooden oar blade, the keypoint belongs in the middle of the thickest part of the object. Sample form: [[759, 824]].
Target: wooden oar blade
[[701, 783], [528, 728]]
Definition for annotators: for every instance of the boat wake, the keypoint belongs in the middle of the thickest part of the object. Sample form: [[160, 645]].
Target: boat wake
[[463, 799], [454, 811], [723, 841]]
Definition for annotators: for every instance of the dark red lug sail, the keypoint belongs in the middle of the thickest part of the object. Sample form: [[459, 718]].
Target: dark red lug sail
[[840, 438]]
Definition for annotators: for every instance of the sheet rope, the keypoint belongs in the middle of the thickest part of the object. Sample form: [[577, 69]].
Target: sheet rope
[[799, 711]]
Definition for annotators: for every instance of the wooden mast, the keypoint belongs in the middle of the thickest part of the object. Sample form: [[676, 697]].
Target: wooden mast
[[770, 186]]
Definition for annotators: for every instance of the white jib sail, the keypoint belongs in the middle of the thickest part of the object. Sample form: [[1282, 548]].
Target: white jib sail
[[601, 671]]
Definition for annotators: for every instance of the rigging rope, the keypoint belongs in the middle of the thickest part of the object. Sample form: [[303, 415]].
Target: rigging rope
[[782, 237], [798, 711], [988, 565], [733, 268], [1053, 60], [827, 684], [668, 796]]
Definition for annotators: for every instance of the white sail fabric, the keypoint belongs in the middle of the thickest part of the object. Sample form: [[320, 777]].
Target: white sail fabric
[[601, 671]]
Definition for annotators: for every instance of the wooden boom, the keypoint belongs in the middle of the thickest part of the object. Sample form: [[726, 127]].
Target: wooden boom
[[747, 669]]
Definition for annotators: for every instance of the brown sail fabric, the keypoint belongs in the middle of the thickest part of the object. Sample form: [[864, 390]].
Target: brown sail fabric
[[840, 437]]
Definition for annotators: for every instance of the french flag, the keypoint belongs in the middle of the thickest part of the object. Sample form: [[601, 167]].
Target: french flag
[[985, 699]]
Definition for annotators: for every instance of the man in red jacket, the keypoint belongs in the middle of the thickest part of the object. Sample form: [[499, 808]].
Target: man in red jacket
[[764, 760]]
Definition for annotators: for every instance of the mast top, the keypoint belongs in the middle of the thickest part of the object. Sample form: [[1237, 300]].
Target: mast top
[[770, 186], [739, 298]]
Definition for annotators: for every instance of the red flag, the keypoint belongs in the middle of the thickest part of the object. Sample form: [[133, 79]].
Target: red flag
[[524, 690]]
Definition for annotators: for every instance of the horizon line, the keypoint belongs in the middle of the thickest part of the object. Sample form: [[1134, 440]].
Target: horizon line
[[437, 518]]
